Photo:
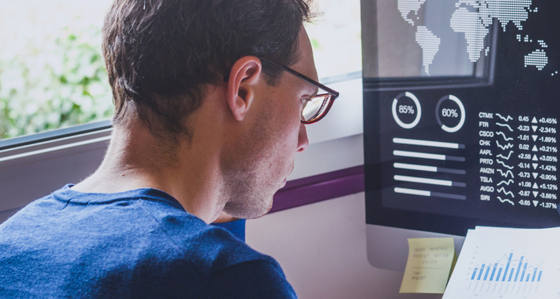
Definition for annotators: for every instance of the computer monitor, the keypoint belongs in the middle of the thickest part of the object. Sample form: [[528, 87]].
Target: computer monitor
[[461, 110]]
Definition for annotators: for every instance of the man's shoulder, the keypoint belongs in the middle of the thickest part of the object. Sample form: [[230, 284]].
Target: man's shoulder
[[101, 245], [213, 247], [238, 271], [223, 265]]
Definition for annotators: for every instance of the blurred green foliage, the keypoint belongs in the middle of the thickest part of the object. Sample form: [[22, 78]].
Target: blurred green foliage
[[53, 83]]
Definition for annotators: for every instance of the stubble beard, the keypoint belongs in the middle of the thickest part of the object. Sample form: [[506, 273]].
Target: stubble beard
[[247, 198], [250, 180]]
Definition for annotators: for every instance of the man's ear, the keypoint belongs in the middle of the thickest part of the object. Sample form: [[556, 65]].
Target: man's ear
[[243, 79]]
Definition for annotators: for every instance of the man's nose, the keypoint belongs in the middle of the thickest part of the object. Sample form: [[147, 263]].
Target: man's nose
[[303, 142]]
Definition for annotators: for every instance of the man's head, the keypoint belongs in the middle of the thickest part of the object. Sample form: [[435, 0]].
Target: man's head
[[264, 151], [160, 53], [172, 63]]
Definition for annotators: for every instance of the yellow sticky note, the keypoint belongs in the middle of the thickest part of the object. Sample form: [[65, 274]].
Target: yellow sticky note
[[429, 265]]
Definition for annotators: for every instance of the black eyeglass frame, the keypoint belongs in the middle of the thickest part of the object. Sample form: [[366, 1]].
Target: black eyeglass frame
[[334, 94]]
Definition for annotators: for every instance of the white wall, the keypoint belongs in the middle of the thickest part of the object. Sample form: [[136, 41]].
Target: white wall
[[322, 250]]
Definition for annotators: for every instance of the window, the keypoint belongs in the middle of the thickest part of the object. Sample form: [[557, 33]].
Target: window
[[52, 73], [336, 37]]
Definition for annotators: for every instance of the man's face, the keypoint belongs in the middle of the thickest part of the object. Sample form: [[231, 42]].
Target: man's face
[[264, 160]]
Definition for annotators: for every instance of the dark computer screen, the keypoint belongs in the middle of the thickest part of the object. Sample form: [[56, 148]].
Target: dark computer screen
[[461, 111]]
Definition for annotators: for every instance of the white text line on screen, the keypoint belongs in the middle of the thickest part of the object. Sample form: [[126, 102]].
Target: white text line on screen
[[428, 143], [428, 168], [429, 193], [428, 156], [412, 179]]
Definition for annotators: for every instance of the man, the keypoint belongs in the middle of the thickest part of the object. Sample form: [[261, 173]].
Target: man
[[207, 122]]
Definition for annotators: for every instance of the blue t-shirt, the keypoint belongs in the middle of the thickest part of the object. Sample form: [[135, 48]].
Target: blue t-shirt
[[134, 244]]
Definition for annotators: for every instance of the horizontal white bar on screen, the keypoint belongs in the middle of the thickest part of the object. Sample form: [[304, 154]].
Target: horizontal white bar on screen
[[412, 191], [429, 193], [415, 167], [427, 143], [419, 155], [423, 180]]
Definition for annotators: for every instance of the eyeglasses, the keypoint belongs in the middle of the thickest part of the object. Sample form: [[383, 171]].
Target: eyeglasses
[[316, 107]]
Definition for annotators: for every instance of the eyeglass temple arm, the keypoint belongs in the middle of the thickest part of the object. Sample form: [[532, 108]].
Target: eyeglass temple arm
[[305, 78]]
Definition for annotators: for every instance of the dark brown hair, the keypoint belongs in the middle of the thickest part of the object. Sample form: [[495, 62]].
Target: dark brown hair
[[159, 53]]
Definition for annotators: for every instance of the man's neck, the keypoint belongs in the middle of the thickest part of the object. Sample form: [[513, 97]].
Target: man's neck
[[136, 160]]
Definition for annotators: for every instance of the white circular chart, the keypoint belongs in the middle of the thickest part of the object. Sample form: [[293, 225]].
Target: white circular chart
[[450, 113], [406, 109]]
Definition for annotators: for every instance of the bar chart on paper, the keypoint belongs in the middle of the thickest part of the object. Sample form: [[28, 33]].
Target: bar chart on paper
[[507, 263], [510, 274]]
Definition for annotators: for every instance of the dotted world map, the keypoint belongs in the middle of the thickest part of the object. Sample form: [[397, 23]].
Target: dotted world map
[[473, 18]]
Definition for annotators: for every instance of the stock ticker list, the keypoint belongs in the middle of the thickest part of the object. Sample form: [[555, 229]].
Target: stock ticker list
[[518, 157]]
